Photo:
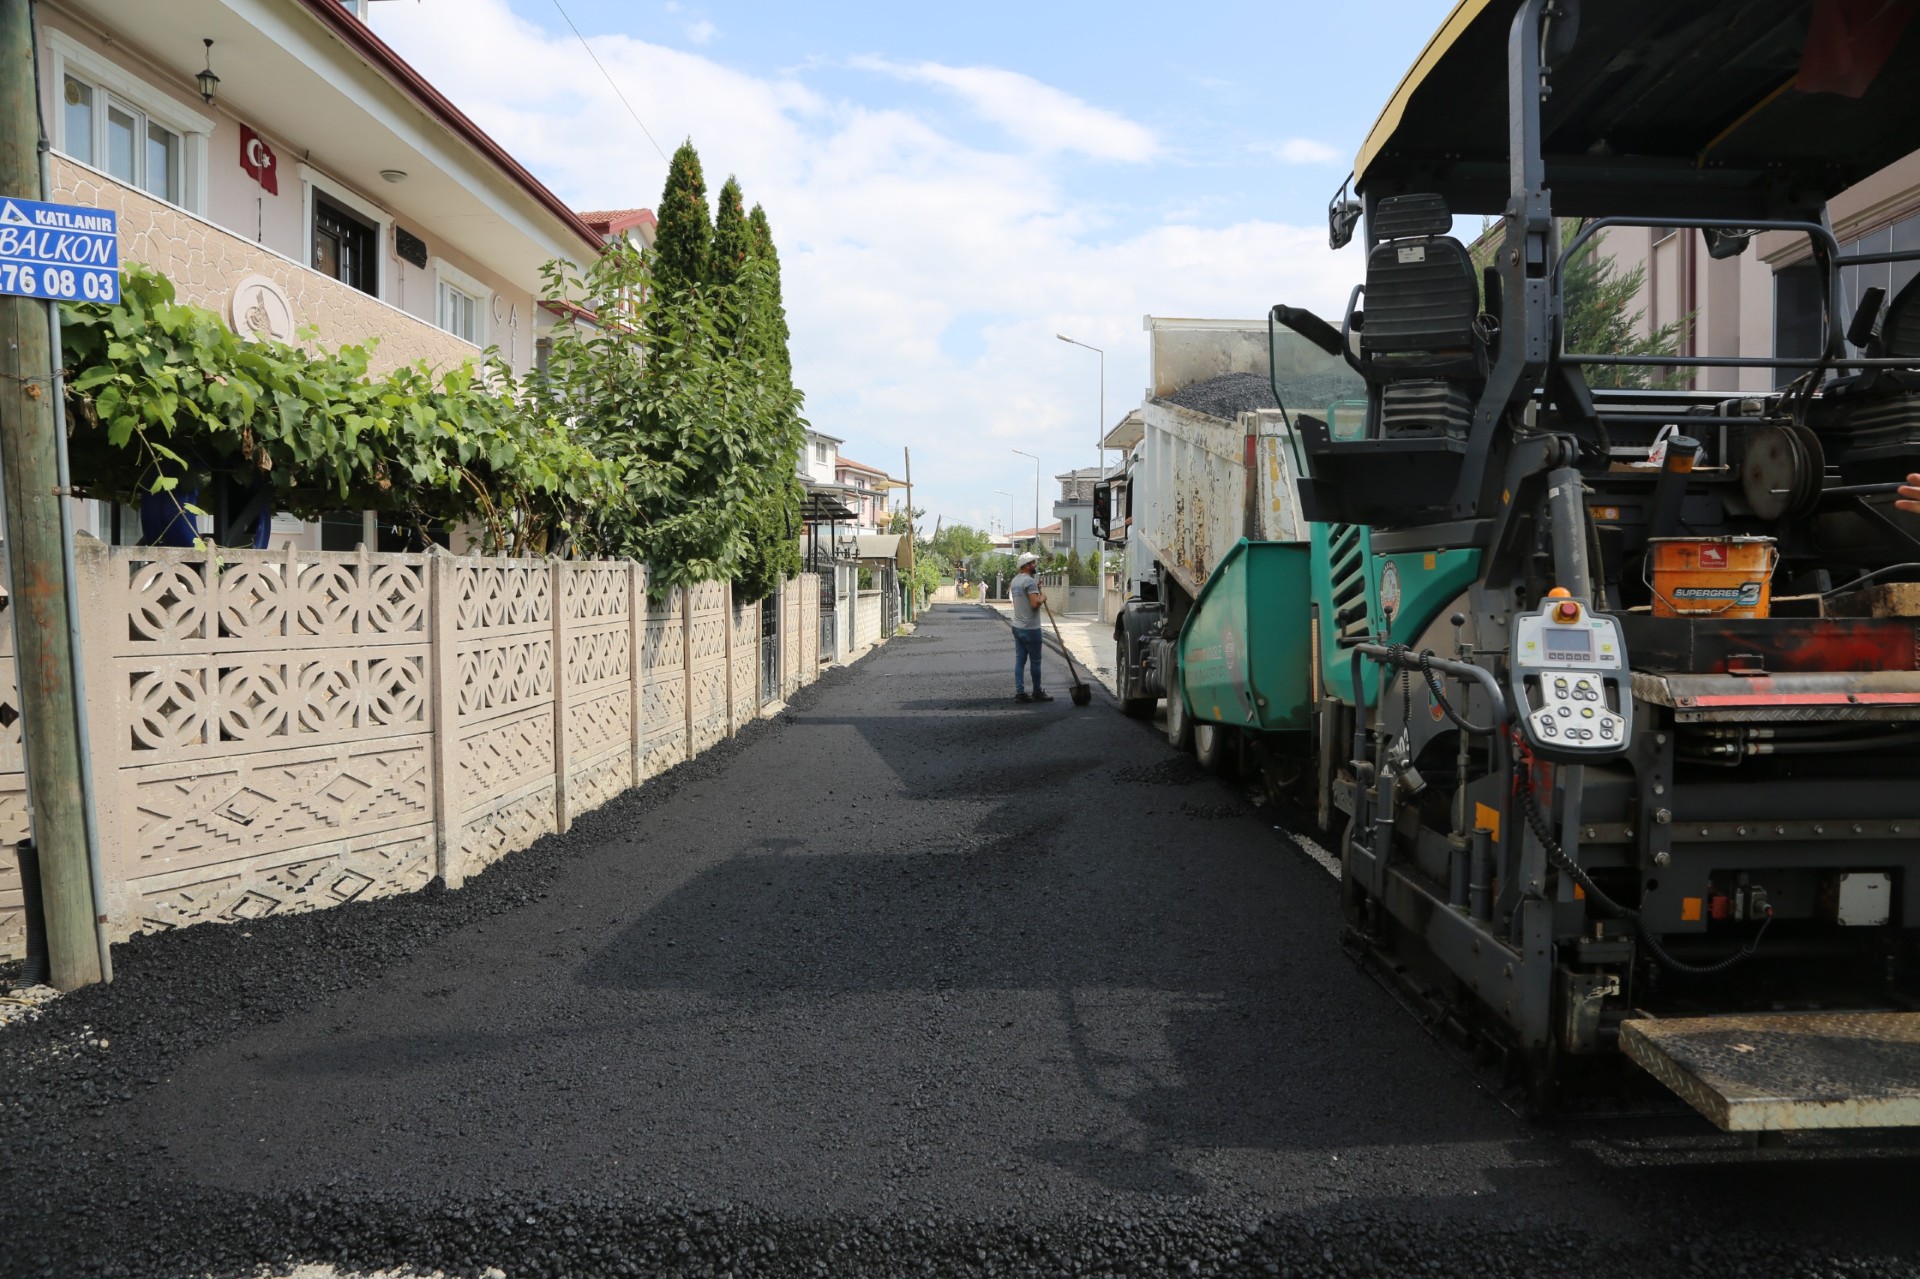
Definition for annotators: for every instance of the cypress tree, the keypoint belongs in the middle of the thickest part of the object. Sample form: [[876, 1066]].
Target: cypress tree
[[776, 311], [683, 246], [744, 255], [733, 239]]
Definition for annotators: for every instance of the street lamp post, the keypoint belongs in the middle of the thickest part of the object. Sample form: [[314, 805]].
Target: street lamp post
[[1100, 464], [1036, 498]]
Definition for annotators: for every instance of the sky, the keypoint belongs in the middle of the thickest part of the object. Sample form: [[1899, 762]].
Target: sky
[[950, 186]]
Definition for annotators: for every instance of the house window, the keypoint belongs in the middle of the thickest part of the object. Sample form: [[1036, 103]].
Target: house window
[[819, 452], [343, 247], [460, 303], [119, 124], [459, 313], [104, 130]]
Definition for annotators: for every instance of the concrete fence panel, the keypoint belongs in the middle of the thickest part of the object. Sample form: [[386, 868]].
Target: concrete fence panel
[[262, 728], [809, 627], [709, 640], [502, 754], [793, 650], [278, 731], [743, 655], [664, 666]]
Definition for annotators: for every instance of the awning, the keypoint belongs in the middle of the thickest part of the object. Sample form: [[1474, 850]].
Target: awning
[[894, 548], [823, 508], [1660, 106]]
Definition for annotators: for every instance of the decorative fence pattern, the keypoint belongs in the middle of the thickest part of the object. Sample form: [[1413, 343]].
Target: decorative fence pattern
[[277, 731]]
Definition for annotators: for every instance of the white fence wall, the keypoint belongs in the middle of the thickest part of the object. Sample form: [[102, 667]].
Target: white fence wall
[[286, 730]]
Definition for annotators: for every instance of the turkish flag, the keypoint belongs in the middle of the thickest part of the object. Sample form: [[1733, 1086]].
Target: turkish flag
[[257, 158]]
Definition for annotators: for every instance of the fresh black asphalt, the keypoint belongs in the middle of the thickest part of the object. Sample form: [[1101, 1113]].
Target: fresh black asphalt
[[906, 980]]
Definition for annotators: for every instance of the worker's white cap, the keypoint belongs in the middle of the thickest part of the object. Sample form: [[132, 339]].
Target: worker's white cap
[[1029, 558]]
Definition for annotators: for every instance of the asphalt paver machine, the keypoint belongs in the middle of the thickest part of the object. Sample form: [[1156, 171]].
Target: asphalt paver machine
[[1619, 690]]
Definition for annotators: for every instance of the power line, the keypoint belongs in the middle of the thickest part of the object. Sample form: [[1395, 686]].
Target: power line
[[610, 84]]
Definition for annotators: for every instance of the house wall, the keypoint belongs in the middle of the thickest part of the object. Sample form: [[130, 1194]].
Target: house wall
[[206, 263], [814, 467], [226, 196], [283, 731], [1732, 301]]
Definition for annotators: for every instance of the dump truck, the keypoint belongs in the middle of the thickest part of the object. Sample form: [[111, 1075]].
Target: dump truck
[[1610, 697], [1206, 506]]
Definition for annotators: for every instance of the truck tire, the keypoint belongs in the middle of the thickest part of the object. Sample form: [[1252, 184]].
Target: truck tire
[[1130, 706], [1217, 747], [1179, 723]]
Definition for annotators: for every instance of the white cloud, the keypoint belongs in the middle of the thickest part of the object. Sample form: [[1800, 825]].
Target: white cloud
[[1301, 151], [702, 31], [1037, 114], [892, 232]]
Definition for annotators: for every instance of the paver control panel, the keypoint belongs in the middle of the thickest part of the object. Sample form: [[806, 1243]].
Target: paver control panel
[[1570, 684]]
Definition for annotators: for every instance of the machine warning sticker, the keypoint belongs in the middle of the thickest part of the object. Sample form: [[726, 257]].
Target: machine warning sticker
[[1413, 253], [1390, 588]]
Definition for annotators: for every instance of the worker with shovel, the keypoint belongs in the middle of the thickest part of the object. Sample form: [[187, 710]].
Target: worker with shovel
[[1027, 603]]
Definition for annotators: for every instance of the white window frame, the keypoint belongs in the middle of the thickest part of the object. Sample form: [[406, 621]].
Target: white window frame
[[445, 272], [72, 58], [312, 180]]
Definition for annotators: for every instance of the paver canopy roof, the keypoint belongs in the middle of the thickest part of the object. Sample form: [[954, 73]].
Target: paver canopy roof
[[1662, 106]]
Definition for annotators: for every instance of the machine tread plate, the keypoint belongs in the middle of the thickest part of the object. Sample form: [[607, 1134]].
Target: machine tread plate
[[1774, 1072]]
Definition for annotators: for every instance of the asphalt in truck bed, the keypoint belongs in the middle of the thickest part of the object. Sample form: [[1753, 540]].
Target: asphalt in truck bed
[[909, 979]]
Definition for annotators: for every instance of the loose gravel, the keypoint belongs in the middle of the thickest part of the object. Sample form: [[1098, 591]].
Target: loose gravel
[[1231, 394], [908, 980]]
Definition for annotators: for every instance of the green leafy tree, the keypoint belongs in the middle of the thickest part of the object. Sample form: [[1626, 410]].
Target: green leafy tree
[[733, 237], [746, 264], [957, 542], [778, 334], [683, 244], [164, 398], [667, 402]]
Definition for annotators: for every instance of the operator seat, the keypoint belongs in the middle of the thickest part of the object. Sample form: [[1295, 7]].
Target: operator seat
[[1422, 341], [1900, 329]]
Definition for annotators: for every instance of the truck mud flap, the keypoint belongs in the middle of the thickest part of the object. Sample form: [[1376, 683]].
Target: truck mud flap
[[1781, 1072]]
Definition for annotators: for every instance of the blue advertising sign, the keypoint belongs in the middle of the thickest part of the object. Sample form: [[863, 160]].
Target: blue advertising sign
[[60, 252]]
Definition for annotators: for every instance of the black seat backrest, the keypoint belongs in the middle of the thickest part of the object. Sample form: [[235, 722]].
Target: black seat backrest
[[1423, 295], [1900, 327]]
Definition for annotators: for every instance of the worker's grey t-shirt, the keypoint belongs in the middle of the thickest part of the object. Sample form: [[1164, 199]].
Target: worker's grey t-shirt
[[1025, 616]]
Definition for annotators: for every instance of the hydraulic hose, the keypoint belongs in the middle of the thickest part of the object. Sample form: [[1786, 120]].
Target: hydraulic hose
[[1543, 831]]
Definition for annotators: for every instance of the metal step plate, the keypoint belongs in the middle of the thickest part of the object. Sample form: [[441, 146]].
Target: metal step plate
[[1776, 1072]]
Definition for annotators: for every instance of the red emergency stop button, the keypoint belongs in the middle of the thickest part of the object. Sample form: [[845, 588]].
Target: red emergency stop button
[[1566, 611]]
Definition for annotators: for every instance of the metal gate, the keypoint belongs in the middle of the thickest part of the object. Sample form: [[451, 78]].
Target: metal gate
[[770, 610], [829, 618], [889, 602]]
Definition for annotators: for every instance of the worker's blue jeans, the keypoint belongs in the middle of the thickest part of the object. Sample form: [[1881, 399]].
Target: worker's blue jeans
[[1026, 648]]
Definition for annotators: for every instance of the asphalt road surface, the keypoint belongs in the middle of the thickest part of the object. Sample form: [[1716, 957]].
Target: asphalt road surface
[[909, 980]]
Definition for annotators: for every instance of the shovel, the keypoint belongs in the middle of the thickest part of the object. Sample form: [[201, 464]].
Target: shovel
[[1081, 692]]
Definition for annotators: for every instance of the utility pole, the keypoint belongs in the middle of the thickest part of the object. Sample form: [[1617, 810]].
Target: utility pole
[[912, 552], [37, 552]]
